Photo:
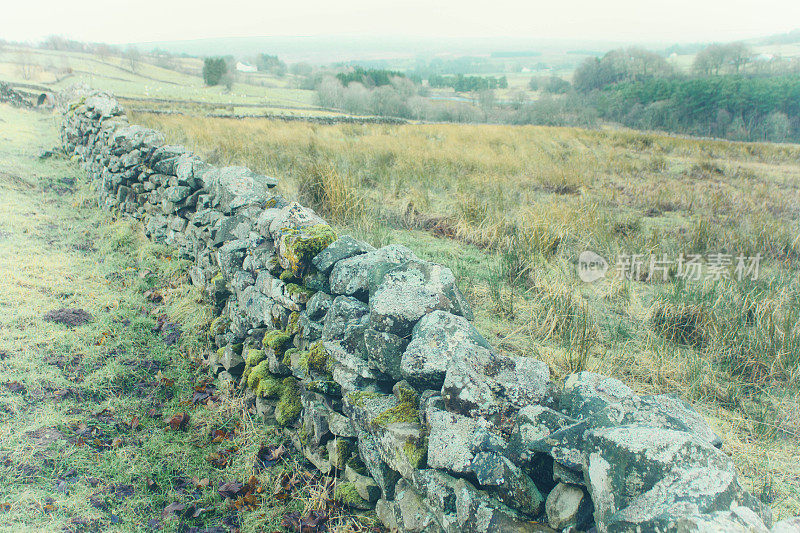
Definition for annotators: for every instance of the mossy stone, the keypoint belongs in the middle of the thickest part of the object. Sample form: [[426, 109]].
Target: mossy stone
[[289, 405]]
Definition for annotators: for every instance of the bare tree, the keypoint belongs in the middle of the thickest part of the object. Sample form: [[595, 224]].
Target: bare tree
[[25, 65], [133, 56]]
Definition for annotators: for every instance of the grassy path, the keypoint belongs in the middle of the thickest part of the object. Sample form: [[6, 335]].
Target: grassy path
[[89, 437]]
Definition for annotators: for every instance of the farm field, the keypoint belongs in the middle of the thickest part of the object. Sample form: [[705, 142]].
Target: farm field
[[510, 209], [152, 86]]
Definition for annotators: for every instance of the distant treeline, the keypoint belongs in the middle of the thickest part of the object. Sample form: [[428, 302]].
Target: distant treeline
[[730, 93], [734, 107], [463, 84], [369, 77]]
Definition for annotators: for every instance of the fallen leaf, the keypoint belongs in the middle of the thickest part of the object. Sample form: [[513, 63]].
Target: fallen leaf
[[173, 508], [200, 483], [179, 421], [268, 456], [15, 386], [135, 422], [230, 489]]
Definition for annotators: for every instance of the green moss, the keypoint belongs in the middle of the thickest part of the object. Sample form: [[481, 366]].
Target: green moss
[[287, 356], [293, 289], [218, 326], [416, 453], [318, 359], [341, 453], [358, 465], [261, 370], [277, 340], [357, 397], [287, 276], [327, 387], [269, 387], [347, 494], [407, 395], [293, 325], [289, 406], [254, 357], [404, 411], [301, 246]]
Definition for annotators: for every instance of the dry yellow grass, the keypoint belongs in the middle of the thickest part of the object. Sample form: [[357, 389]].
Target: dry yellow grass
[[509, 209]]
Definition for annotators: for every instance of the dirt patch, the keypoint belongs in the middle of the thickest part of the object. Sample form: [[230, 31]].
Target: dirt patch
[[44, 437], [68, 317]]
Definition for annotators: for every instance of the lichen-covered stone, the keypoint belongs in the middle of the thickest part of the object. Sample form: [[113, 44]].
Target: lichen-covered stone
[[399, 296], [392, 425], [436, 340], [235, 187], [585, 393], [649, 479], [351, 276], [342, 248], [486, 384], [452, 438]]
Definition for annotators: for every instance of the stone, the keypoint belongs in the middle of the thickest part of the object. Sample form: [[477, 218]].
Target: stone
[[452, 438], [178, 193], [343, 338], [567, 506], [384, 352], [318, 305], [342, 248], [790, 525], [649, 479], [276, 222], [399, 296], [493, 386], [478, 512], [236, 187], [232, 360], [565, 475], [351, 276], [392, 425], [586, 393], [507, 482], [346, 493], [231, 256], [532, 424], [365, 485], [436, 340]]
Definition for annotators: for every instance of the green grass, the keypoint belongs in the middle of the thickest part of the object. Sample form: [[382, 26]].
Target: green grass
[[71, 456], [510, 208]]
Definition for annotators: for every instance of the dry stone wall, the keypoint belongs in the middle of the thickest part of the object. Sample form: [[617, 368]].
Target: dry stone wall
[[368, 359]]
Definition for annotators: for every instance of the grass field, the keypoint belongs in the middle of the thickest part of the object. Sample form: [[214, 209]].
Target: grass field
[[509, 209], [144, 80], [86, 410]]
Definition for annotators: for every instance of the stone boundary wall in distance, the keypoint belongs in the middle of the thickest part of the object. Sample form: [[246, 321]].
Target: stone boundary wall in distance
[[368, 359]]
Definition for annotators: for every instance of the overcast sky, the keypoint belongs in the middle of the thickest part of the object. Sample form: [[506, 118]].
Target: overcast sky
[[124, 21]]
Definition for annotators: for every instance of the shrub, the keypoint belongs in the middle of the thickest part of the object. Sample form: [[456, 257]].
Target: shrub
[[214, 68]]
